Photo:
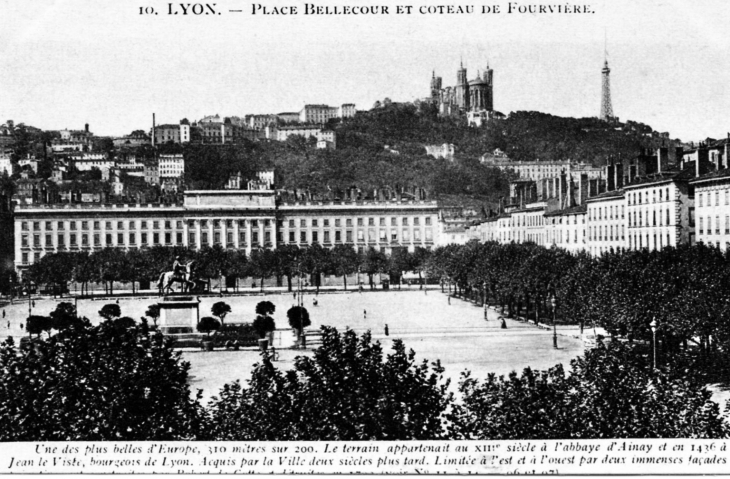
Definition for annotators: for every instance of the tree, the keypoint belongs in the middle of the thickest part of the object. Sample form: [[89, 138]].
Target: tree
[[611, 392], [373, 262], [398, 262], [65, 317], [38, 324], [264, 323], [344, 261], [153, 312], [55, 269], [315, 261], [108, 266], [121, 324], [110, 311], [262, 264], [95, 384], [220, 309], [208, 324], [287, 262], [419, 261], [349, 390], [298, 319], [265, 308]]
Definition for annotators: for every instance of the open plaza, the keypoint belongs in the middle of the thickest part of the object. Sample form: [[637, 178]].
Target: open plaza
[[454, 332]]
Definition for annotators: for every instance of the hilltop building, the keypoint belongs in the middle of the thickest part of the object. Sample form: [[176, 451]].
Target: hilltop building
[[473, 99]]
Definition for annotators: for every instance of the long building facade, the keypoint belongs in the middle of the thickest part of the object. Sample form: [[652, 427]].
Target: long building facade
[[235, 219]]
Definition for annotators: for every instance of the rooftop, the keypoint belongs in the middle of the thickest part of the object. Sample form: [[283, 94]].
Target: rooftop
[[667, 176], [608, 195]]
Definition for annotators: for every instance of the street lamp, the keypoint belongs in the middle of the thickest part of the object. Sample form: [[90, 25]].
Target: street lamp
[[653, 325], [555, 331]]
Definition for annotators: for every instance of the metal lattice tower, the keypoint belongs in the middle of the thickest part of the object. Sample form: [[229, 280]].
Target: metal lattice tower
[[606, 108]]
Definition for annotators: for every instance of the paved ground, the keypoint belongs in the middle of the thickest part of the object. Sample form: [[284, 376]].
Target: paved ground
[[456, 334]]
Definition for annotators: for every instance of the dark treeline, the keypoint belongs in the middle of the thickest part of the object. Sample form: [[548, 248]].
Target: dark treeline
[[523, 135], [121, 380], [135, 267], [683, 289]]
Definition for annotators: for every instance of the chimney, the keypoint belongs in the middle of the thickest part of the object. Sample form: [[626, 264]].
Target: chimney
[[618, 176], [702, 164], [583, 188], [610, 176], [562, 188], [571, 193], [662, 157], [86, 127]]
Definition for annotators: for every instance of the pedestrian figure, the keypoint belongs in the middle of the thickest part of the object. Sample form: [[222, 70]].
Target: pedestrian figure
[[8, 324], [3, 314], [117, 301], [387, 332], [364, 313], [253, 285], [295, 295], [504, 324], [449, 298], [315, 301]]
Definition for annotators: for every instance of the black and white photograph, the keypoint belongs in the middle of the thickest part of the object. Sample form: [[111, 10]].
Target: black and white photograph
[[374, 237]]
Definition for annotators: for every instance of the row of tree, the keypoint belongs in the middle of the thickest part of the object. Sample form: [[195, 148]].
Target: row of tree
[[120, 381], [110, 265], [683, 290]]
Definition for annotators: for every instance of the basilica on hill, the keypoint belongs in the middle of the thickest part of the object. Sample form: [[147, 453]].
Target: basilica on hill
[[473, 98]]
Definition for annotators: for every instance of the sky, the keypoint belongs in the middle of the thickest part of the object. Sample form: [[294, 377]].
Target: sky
[[70, 62]]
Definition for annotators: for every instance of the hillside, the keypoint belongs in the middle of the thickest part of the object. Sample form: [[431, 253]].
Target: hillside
[[363, 161]]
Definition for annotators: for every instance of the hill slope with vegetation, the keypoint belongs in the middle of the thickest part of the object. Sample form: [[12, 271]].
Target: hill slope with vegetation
[[384, 149]]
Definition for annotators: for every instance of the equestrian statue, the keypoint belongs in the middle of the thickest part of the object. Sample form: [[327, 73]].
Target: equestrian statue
[[181, 273]]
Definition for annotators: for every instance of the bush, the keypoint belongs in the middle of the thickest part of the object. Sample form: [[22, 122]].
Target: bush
[[93, 384], [298, 318], [347, 391], [221, 310], [208, 324], [110, 311], [263, 325], [244, 333], [265, 308], [65, 316]]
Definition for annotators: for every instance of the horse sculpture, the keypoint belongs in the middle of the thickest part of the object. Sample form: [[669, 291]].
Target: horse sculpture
[[169, 277]]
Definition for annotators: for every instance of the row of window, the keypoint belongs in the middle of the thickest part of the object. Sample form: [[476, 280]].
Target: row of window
[[707, 197], [527, 220], [144, 224], [96, 225], [638, 218], [169, 238], [557, 236], [641, 197], [718, 225], [606, 233], [606, 212], [360, 222], [382, 236], [85, 238], [640, 241], [326, 222]]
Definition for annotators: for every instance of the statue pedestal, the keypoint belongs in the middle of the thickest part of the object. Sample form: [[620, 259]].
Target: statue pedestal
[[178, 314]]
